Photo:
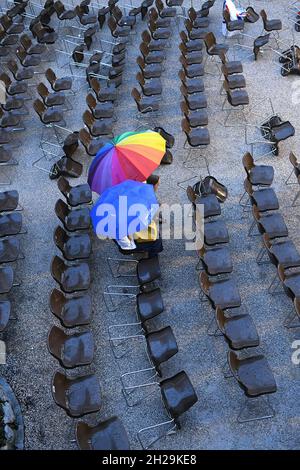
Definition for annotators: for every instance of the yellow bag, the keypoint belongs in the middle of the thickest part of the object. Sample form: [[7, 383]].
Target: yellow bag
[[149, 234]]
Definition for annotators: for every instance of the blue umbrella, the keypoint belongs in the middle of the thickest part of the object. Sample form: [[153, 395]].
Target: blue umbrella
[[124, 209]]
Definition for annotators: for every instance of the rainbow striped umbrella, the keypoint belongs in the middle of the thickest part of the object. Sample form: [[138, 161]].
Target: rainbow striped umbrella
[[132, 155]]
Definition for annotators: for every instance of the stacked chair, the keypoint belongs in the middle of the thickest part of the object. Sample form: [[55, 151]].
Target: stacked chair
[[251, 370]]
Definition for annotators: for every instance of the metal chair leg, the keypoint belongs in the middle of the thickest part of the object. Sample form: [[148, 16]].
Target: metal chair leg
[[155, 426], [256, 409], [289, 322]]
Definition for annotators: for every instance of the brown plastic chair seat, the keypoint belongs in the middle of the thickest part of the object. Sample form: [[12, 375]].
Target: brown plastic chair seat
[[6, 279], [194, 57], [9, 250], [24, 74], [292, 283], [73, 247], [73, 219], [198, 118], [196, 101], [149, 103], [149, 305], [161, 33], [201, 22], [73, 278], [178, 394], [10, 224], [211, 205], [9, 200], [73, 350], [107, 93], [5, 153], [71, 312], [101, 127], [238, 97], [232, 67], [155, 57], [152, 87], [239, 330], [215, 232], [214, 48], [265, 199], [273, 25], [194, 85], [76, 195], [224, 294], [66, 166], [282, 132], [17, 88], [78, 396], [217, 261], [286, 253], [106, 435], [4, 314], [51, 115], [103, 110], [55, 99], [253, 374], [148, 270], [236, 81], [198, 136], [194, 70], [152, 70], [197, 33], [12, 103], [274, 225], [156, 45], [194, 45], [161, 346], [261, 175]]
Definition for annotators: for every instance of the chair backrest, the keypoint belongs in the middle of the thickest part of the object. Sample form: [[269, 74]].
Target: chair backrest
[[146, 36], [61, 210], [297, 305], [191, 194], [63, 185], [57, 268], [226, 16], [210, 41], [84, 138], [184, 108], [140, 78], [152, 25], [255, 213], [182, 392], [153, 15], [39, 107], [159, 5], [25, 41], [59, 8], [117, 13], [182, 75], [112, 24], [42, 90], [5, 79], [248, 187], [78, 53], [60, 237], [91, 101], [21, 54], [50, 75], [183, 36], [204, 282], [136, 96], [88, 118], [188, 24], [183, 61], [185, 126], [248, 162], [95, 84], [281, 272], [183, 91], [182, 48], [141, 63], [267, 241], [220, 318], [192, 14], [144, 49], [264, 17], [6, 22]]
